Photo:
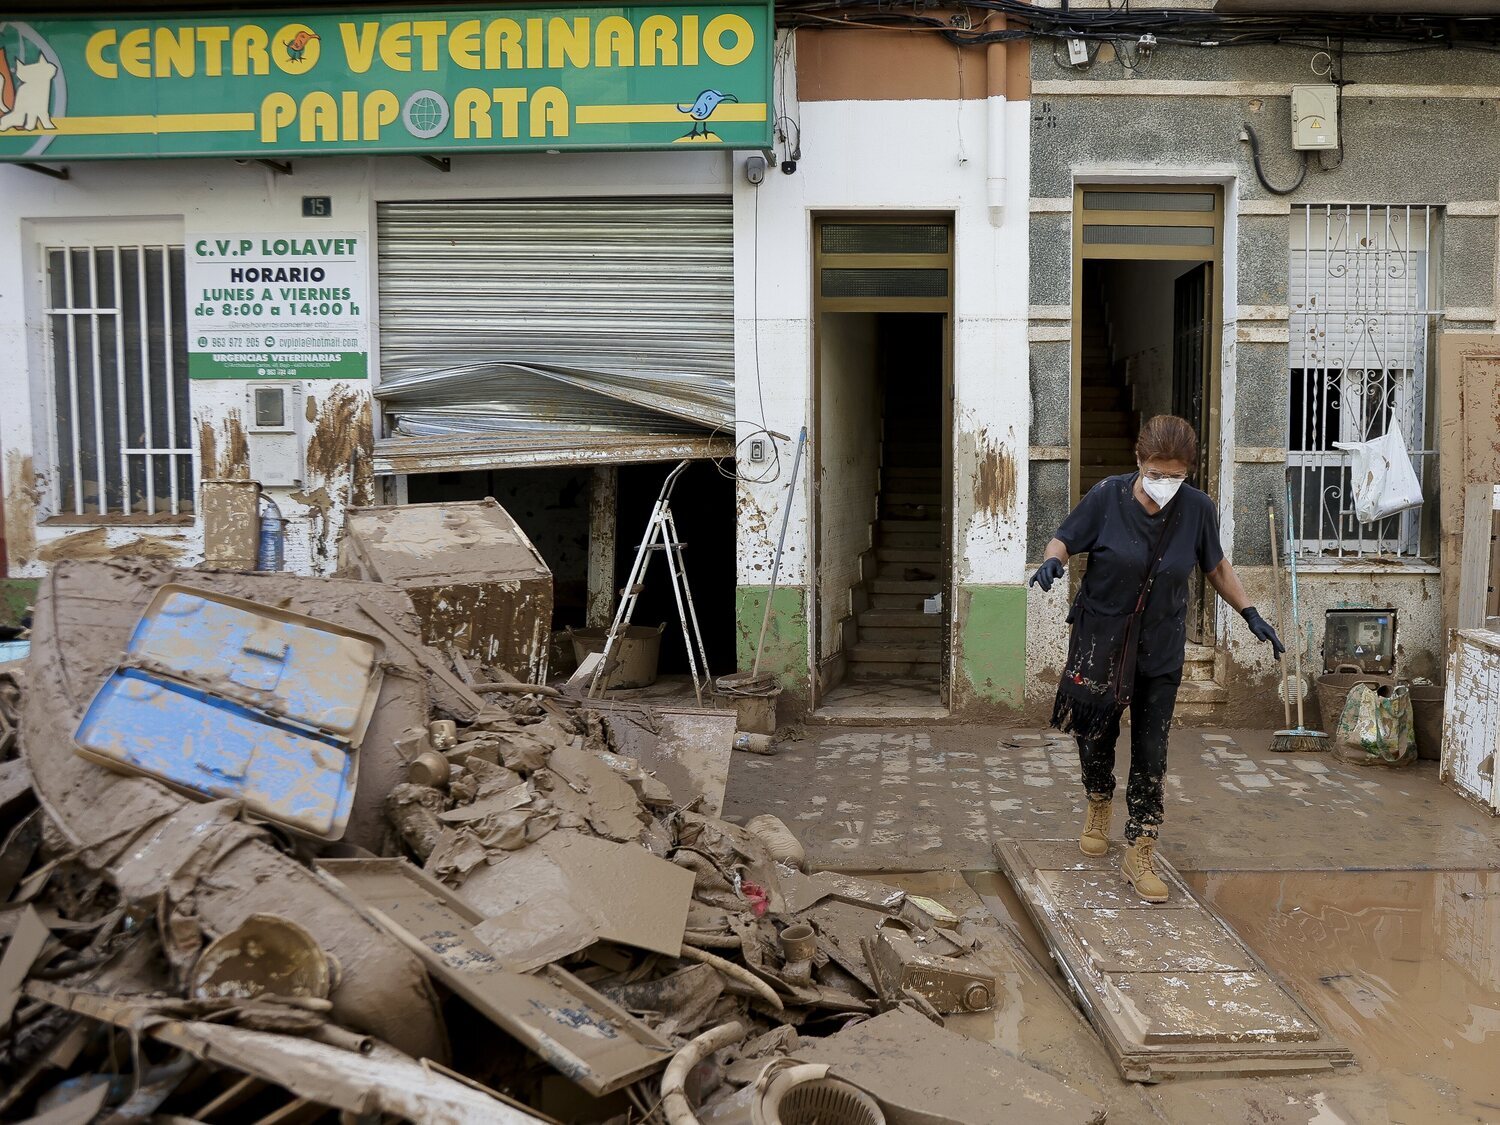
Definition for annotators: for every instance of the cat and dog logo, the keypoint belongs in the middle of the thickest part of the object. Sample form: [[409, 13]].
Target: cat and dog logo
[[32, 87]]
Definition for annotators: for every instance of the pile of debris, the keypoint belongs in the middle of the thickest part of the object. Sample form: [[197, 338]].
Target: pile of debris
[[282, 861]]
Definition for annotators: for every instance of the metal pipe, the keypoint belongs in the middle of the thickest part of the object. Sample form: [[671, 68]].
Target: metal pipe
[[786, 518]]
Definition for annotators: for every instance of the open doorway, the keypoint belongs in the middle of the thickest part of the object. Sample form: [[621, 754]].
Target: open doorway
[[1144, 299], [881, 472]]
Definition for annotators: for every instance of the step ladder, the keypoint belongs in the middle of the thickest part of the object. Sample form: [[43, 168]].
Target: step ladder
[[661, 535]]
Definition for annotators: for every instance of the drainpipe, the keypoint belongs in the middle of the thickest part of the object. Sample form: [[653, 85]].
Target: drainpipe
[[994, 70]]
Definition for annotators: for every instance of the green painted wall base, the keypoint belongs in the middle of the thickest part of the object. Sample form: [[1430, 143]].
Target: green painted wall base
[[991, 634], [15, 595], [786, 649]]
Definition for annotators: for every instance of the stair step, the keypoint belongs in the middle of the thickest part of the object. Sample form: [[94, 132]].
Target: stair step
[[897, 571], [924, 539], [900, 603], [916, 555], [920, 670], [914, 635], [879, 618], [912, 499], [896, 653], [919, 589], [1201, 692]]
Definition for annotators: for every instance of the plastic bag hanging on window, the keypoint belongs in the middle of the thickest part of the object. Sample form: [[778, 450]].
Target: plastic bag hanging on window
[[1383, 479]]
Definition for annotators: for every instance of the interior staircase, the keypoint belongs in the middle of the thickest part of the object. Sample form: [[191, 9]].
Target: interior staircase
[[1110, 423], [894, 637]]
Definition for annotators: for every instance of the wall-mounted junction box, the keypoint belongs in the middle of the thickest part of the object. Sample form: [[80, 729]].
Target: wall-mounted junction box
[[1315, 117], [274, 433]]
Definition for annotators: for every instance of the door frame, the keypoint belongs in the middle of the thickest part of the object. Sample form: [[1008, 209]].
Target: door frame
[[821, 305], [1207, 247]]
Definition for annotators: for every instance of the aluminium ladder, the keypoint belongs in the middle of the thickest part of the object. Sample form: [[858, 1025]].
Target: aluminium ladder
[[661, 535]]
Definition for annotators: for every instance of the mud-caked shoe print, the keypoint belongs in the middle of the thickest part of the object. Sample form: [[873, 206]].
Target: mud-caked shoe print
[[1139, 871], [1095, 838]]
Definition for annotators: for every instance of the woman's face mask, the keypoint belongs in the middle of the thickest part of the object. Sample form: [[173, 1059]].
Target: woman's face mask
[[1159, 486]]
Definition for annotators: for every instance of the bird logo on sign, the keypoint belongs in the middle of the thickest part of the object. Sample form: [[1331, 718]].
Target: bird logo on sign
[[701, 110]]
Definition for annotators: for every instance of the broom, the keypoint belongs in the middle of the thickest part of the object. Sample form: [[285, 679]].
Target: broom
[[1299, 738]]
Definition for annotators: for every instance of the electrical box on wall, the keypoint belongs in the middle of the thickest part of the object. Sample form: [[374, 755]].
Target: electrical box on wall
[[1315, 117], [274, 433]]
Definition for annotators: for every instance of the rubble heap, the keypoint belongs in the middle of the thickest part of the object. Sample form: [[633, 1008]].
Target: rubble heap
[[520, 922]]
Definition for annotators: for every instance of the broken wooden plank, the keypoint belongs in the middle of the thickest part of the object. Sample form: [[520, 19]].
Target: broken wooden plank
[[1171, 989], [577, 1030]]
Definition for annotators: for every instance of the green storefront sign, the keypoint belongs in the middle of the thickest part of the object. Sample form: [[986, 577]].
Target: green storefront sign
[[428, 82]]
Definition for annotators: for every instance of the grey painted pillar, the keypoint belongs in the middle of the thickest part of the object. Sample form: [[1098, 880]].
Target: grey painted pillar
[[604, 496]]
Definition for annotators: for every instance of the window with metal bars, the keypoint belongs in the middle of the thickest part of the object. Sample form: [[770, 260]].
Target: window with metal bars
[[1360, 329], [117, 340]]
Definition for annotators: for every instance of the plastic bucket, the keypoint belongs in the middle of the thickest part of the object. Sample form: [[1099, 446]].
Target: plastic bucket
[[636, 654], [1427, 716]]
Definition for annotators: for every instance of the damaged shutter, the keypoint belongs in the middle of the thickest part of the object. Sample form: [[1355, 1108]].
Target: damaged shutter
[[522, 326]]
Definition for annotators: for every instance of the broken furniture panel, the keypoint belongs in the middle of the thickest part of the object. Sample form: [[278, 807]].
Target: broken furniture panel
[[689, 751], [923, 1074], [577, 1030], [224, 697], [1170, 989], [579, 889], [1471, 720], [476, 580], [365, 1084]]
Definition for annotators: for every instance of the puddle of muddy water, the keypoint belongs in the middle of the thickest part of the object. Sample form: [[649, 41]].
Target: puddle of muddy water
[[1404, 967]]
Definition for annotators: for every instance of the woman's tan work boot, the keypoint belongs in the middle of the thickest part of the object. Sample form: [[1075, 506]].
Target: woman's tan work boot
[[1095, 838], [1139, 872]]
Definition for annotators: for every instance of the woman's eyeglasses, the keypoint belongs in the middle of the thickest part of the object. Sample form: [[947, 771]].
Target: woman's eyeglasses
[[1153, 475]]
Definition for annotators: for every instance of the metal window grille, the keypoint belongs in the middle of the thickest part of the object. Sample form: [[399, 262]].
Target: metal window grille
[[118, 340], [1361, 323]]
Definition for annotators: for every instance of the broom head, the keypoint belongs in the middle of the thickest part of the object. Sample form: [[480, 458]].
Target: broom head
[[1298, 741]]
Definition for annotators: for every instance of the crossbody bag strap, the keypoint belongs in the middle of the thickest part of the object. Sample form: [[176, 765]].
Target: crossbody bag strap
[[1162, 538]]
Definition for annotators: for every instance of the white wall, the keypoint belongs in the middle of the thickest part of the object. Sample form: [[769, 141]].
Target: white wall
[[883, 157], [197, 197], [848, 459]]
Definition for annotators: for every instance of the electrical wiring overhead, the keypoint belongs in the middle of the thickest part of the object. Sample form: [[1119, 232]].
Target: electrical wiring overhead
[[1183, 26]]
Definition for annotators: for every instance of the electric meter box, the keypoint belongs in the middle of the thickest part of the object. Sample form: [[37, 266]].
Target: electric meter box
[[273, 431], [1360, 638], [1315, 117]]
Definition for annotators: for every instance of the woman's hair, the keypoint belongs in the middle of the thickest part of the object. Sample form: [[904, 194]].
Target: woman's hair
[[1167, 437]]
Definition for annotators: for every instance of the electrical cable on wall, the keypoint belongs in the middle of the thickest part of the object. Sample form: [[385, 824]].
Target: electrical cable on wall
[[1249, 135]]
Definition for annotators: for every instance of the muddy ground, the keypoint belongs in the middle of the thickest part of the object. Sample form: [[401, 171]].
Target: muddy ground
[[1375, 895]]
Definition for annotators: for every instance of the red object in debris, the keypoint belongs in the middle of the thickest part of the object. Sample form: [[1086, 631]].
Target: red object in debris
[[756, 896]]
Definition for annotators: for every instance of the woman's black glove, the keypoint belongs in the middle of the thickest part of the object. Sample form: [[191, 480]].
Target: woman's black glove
[[1262, 630], [1046, 574]]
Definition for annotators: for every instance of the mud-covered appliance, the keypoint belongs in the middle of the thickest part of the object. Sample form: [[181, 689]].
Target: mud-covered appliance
[[475, 579], [221, 697]]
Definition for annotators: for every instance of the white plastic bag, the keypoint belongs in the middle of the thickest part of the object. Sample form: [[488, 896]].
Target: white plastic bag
[[1384, 481]]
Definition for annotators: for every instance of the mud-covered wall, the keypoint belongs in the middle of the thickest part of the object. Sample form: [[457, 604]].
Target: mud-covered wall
[[176, 200], [1417, 128], [919, 149]]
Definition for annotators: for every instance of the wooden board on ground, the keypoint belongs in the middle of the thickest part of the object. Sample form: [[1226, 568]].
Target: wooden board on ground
[[598, 1045], [1170, 989]]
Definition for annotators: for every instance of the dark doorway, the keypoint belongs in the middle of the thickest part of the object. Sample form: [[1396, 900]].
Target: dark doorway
[[882, 465]]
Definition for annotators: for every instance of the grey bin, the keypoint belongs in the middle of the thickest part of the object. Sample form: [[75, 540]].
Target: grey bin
[[636, 655]]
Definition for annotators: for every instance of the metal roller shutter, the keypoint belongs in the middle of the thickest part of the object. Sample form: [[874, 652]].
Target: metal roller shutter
[[507, 320]]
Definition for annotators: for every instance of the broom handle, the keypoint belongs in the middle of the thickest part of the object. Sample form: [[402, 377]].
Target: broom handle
[[1286, 691], [1291, 550]]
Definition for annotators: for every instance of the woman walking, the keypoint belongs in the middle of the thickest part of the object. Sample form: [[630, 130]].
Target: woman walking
[[1143, 532]]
